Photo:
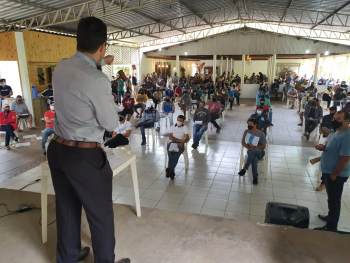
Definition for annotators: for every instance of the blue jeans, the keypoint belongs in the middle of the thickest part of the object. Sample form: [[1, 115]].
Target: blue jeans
[[143, 125], [237, 98], [174, 158], [46, 133], [336, 103], [120, 95], [253, 157], [8, 128], [198, 132]]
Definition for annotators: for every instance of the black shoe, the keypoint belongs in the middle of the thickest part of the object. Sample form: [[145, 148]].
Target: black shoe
[[218, 130], [324, 218], [44, 153], [325, 228], [194, 145], [167, 175], [292, 106], [172, 175], [136, 126], [83, 254], [255, 181], [124, 260], [143, 143], [16, 139], [32, 128], [242, 172], [158, 129], [271, 124]]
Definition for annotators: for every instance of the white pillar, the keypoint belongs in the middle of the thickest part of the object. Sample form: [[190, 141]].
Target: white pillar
[[178, 65], [227, 71], [23, 69], [316, 68], [221, 62], [214, 68], [231, 67], [268, 69], [273, 68], [243, 71]]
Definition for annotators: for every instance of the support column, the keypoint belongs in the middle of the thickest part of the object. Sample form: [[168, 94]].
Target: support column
[[231, 67], [214, 69], [273, 68], [243, 72], [268, 69], [178, 65], [316, 68], [227, 71], [221, 62], [23, 71]]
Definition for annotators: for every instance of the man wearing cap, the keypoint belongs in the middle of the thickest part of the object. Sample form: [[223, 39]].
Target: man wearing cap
[[80, 171], [21, 110], [149, 117], [8, 124], [5, 91]]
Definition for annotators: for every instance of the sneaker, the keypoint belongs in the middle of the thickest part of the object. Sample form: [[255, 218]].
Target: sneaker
[[255, 181], [32, 128], [242, 172], [271, 124], [19, 130], [83, 254], [16, 139], [44, 153], [324, 218], [194, 145], [136, 126], [172, 175], [8, 147], [320, 187], [158, 129], [326, 228], [300, 124], [143, 143], [124, 260], [307, 136], [218, 130], [292, 106]]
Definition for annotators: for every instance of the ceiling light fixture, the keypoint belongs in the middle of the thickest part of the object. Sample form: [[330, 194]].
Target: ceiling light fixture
[[326, 53], [185, 53], [307, 51], [160, 49]]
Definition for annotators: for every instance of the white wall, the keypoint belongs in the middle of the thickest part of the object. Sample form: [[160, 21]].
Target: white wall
[[9, 71]]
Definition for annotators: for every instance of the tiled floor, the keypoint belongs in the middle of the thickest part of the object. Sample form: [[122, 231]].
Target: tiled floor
[[211, 185]]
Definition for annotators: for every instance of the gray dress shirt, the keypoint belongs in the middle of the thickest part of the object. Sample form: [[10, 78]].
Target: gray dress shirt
[[84, 103]]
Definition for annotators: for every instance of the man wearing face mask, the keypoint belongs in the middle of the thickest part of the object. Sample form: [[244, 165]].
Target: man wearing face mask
[[202, 117], [8, 125], [196, 98], [21, 110], [261, 118], [335, 167], [338, 97], [168, 109], [169, 92], [178, 135], [49, 118], [263, 93], [215, 112], [312, 89], [121, 134], [141, 103], [48, 93], [149, 117], [80, 171], [128, 104], [326, 124], [313, 115], [255, 142], [5, 92], [343, 87], [327, 95]]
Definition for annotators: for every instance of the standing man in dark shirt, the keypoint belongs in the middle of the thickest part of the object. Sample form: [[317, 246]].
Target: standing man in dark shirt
[[313, 115], [5, 91], [134, 85], [81, 174], [48, 93], [274, 89]]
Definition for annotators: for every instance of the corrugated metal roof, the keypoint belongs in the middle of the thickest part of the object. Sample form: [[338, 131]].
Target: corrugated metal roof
[[300, 13]]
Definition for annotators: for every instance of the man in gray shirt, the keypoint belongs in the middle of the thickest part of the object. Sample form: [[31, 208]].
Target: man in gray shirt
[[80, 171], [201, 115], [21, 110], [255, 142]]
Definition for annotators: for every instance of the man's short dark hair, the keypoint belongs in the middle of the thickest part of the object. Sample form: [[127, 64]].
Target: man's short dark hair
[[333, 108], [123, 113], [91, 34], [253, 121], [128, 91], [346, 114], [52, 102], [181, 117], [260, 107], [1, 80], [316, 99], [19, 96]]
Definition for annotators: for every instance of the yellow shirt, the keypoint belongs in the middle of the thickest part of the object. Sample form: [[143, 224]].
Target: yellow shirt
[[141, 97]]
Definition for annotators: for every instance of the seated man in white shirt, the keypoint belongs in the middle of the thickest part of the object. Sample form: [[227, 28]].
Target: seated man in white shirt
[[178, 135], [292, 94], [121, 133]]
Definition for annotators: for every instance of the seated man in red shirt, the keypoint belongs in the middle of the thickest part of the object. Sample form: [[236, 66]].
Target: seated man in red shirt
[[49, 119], [178, 91], [128, 104], [215, 111], [8, 124]]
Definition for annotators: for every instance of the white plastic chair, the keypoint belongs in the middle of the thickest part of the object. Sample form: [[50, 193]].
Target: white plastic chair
[[314, 131], [264, 161], [296, 102], [153, 133], [185, 154], [22, 123]]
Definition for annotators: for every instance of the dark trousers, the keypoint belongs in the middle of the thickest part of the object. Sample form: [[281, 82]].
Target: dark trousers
[[231, 102], [156, 102], [310, 126], [174, 157], [237, 98], [118, 140], [213, 118], [276, 94], [8, 128], [82, 178], [210, 92], [143, 125], [334, 193]]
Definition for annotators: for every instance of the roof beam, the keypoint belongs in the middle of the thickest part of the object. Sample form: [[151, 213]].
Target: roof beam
[[329, 16], [190, 9], [31, 4], [285, 12]]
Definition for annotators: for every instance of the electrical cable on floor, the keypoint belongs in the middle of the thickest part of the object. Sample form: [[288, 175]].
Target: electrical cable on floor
[[31, 183]]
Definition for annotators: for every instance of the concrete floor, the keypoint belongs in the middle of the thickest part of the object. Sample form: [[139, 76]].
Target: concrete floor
[[165, 236]]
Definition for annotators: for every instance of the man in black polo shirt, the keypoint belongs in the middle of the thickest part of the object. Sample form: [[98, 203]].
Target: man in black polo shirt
[[5, 91], [48, 93]]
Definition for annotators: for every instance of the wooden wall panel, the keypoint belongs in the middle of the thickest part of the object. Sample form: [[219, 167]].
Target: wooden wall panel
[[33, 73], [8, 49], [42, 47]]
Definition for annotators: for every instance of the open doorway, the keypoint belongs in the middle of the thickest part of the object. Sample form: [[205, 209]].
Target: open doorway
[[126, 68]]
